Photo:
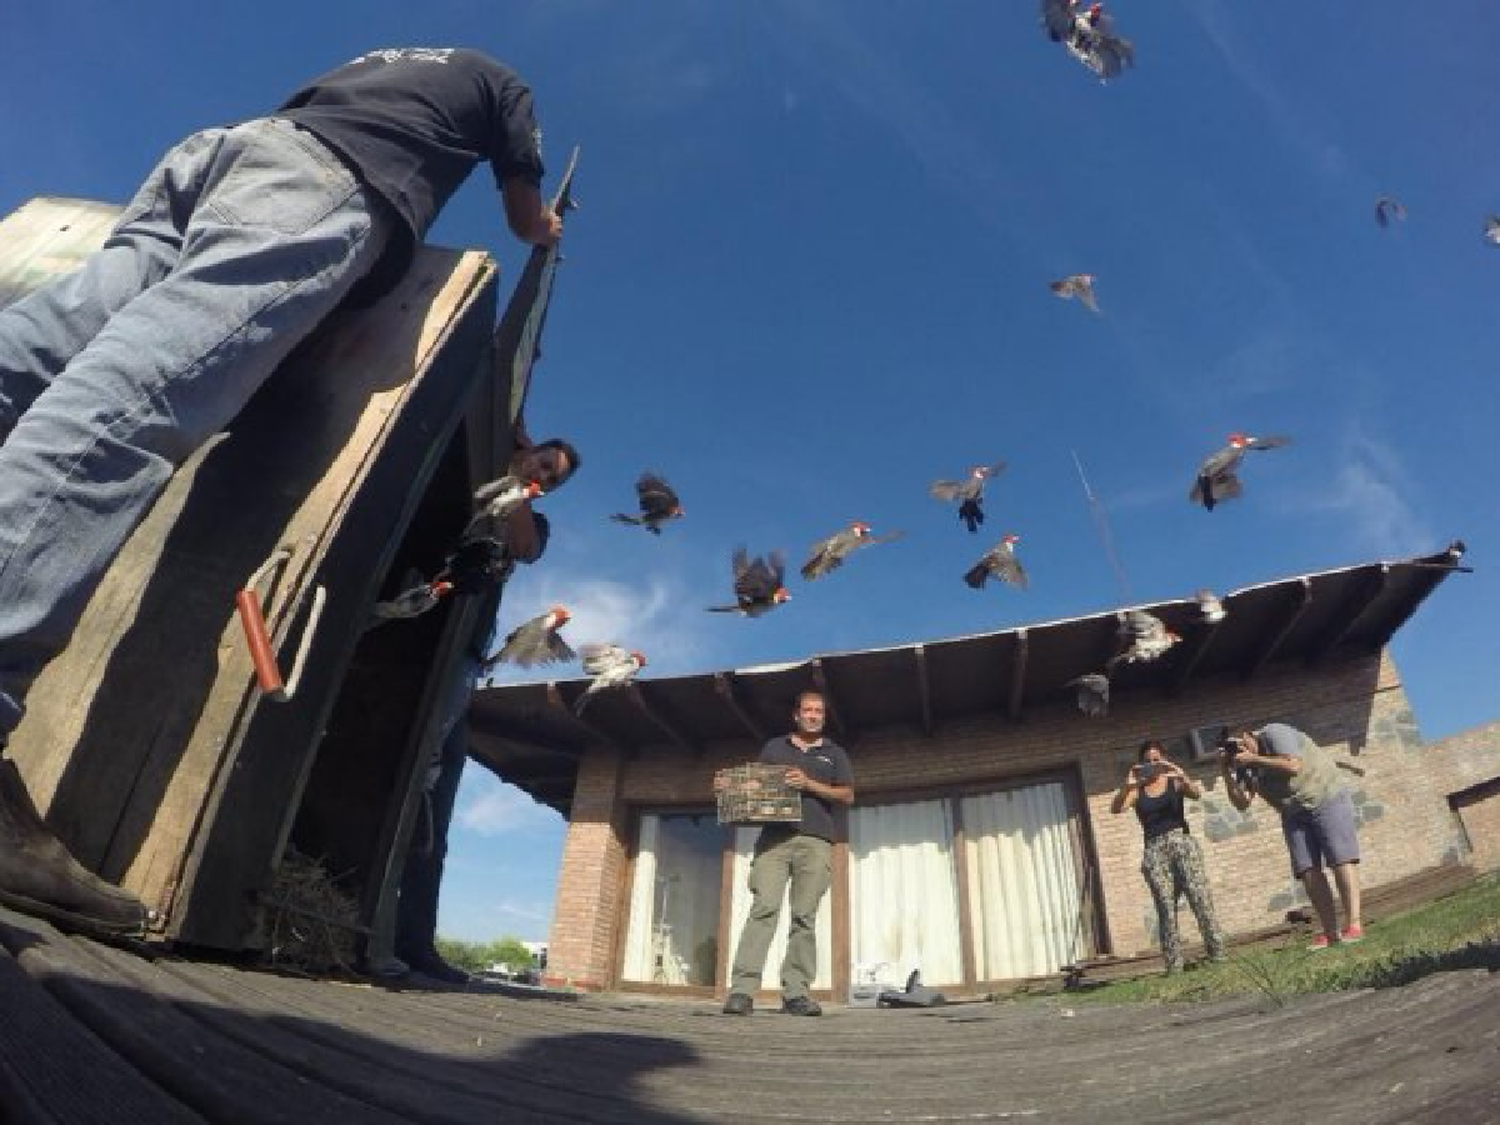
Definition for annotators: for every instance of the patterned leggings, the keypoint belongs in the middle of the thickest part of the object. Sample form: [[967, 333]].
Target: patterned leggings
[[1173, 867]]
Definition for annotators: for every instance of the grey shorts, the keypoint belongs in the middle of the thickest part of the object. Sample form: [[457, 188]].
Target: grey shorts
[[1321, 837]]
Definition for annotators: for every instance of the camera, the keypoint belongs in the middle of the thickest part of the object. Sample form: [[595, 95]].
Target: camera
[[1246, 777]]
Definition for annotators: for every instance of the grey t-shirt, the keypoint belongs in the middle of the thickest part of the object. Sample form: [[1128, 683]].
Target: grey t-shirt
[[1315, 782]]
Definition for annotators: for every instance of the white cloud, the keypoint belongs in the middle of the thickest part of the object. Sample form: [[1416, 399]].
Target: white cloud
[[497, 809], [1372, 491], [645, 616]]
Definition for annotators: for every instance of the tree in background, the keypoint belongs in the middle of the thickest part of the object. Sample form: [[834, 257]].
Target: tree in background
[[478, 956]]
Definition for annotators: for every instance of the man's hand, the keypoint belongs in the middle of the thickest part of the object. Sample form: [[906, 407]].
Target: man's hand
[[798, 778]]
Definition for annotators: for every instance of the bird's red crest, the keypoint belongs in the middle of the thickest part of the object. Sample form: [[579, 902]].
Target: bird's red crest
[[1238, 440], [781, 595], [639, 658], [562, 615], [1012, 538], [859, 527]]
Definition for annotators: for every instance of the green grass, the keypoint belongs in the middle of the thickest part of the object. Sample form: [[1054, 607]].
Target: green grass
[[1460, 931]]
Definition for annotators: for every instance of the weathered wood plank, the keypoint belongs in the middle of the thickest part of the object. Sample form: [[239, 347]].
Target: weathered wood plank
[[44, 238], [53, 1070]]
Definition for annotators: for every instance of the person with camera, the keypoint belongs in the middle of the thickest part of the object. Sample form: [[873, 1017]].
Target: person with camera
[[1300, 780], [1172, 862]]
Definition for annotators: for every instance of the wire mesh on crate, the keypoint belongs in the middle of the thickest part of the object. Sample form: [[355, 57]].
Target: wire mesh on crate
[[756, 793]]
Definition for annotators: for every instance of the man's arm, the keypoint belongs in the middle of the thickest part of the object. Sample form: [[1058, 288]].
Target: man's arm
[[527, 213]]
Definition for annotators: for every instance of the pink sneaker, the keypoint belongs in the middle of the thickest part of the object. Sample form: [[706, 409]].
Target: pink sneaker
[[1352, 934], [1320, 943]]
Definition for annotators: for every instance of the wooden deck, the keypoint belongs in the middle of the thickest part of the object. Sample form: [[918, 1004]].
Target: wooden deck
[[90, 1033]]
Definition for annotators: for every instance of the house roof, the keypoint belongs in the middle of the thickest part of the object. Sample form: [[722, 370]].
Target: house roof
[[529, 735]]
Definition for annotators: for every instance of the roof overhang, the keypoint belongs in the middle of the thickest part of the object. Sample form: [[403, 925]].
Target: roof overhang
[[528, 735]]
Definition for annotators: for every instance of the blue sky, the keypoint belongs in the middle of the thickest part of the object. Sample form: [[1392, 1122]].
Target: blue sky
[[810, 275]]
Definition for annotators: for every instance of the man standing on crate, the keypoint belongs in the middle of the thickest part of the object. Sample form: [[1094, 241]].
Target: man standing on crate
[[794, 860], [238, 245]]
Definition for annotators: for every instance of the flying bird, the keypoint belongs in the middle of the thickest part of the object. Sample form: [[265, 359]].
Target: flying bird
[[658, 504], [417, 596], [499, 498], [1210, 606], [1089, 35], [998, 562], [829, 554], [534, 642], [1388, 210], [1492, 229], [1080, 285], [1092, 694], [1217, 478], [968, 493], [759, 584], [610, 666], [1144, 636]]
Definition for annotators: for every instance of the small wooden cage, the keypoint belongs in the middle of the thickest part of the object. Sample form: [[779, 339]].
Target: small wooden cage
[[756, 793]]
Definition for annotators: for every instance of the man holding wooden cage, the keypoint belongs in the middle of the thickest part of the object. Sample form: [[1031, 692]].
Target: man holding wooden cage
[[793, 861]]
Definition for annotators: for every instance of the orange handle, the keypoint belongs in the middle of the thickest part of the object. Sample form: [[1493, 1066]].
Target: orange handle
[[247, 601]]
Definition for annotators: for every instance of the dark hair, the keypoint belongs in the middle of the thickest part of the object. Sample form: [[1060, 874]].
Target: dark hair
[[566, 449], [801, 695], [1140, 755]]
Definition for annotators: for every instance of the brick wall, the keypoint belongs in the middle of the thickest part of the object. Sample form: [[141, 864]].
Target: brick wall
[[1466, 768], [1355, 708], [590, 886]]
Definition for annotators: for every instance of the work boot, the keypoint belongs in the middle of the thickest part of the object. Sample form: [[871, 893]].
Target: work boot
[[39, 877]]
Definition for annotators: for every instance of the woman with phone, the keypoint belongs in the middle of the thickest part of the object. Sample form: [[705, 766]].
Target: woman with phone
[[1173, 863]]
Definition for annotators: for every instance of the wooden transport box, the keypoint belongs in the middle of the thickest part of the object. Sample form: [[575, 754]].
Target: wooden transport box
[[757, 793], [146, 744]]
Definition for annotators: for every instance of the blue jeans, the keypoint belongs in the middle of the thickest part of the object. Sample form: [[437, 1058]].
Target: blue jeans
[[236, 247]]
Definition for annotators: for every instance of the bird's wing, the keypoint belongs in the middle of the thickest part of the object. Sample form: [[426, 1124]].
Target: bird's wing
[[776, 562], [600, 658], [487, 492], [946, 489], [1057, 18], [558, 650], [1009, 568], [656, 495], [823, 556], [755, 580]]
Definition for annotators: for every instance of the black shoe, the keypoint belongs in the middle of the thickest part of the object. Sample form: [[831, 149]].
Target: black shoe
[[738, 1004], [39, 877], [802, 1006]]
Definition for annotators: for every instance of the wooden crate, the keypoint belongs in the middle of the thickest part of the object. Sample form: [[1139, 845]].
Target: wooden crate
[[757, 793], [146, 742]]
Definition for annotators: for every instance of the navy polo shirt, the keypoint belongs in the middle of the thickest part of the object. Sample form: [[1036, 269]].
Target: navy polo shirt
[[414, 121], [825, 762]]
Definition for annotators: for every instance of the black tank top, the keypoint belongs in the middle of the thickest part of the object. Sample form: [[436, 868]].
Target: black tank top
[[1161, 814]]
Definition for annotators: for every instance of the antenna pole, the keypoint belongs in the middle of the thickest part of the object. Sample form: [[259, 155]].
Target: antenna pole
[[1101, 521]]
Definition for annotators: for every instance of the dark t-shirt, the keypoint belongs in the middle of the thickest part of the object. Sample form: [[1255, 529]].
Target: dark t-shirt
[[825, 762], [1162, 813], [413, 122]]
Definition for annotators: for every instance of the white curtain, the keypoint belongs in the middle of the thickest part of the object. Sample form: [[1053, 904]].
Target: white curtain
[[903, 894], [640, 954], [744, 850], [1023, 882]]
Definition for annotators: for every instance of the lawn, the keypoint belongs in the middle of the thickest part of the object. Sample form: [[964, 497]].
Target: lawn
[[1459, 931]]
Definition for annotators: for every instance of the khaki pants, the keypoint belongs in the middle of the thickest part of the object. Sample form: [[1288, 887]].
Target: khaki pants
[[806, 863]]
